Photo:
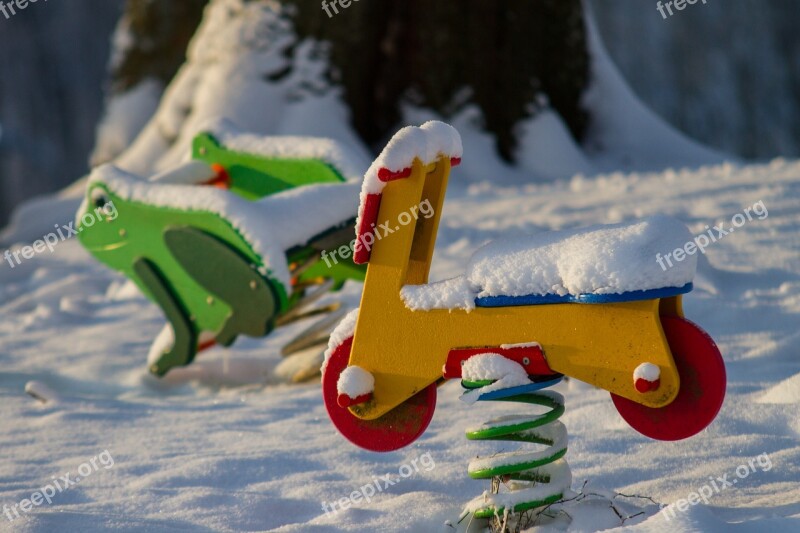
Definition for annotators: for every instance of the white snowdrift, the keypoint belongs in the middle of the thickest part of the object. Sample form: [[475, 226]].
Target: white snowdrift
[[625, 134], [214, 452]]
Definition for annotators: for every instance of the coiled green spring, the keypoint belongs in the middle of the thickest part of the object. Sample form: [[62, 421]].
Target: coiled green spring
[[521, 480]]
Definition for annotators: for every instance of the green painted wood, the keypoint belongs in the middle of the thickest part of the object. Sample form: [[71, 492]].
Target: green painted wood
[[184, 348], [254, 176], [227, 277]]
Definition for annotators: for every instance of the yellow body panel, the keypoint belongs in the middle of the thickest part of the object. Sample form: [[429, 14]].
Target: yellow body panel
[[405, 350]]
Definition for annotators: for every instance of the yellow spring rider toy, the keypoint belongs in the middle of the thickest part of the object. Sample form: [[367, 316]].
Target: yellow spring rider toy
[[592, 304]]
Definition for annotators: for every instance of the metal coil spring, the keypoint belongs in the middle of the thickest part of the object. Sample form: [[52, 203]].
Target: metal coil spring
[[532, 479]]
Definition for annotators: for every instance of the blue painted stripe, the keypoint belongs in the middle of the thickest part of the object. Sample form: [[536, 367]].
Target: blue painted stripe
[[540, 299], [520, 389]]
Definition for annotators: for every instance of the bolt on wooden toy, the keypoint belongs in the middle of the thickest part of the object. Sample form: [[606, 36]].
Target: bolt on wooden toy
[[229, 243], [589, 304]]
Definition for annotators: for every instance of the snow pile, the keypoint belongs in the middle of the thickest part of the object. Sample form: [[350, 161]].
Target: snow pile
[[453, 293], [493, 367], [602, 259], [349, 162], [623, 133], [165, 339], [269, 225], [427, 143], [503, 372], [354, 381], [246, 65], [607, 259], [341, 333], [647, 371]]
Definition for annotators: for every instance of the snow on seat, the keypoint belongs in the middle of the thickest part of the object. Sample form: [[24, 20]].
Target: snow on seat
[[597, 264], [594, 264], [427, 143]]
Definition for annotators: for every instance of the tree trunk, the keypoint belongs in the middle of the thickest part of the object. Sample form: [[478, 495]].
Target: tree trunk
[[508, 58], [500, 56]]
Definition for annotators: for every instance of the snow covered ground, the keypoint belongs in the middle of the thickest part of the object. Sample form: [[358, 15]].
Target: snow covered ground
[[224, 446]]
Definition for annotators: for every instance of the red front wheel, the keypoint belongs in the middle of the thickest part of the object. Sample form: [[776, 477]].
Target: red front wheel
[[398, 428], [702, 389]]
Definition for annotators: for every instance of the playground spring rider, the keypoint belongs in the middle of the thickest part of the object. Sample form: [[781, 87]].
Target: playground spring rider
[[210, 258], [384, 361]]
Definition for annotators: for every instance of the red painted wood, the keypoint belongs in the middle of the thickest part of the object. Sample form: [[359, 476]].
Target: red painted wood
[[384, 174], [365, 238], [398, 428], [205, 345], [703, 382], [642, 385], [222, 180], [346, 401], [537, 365]]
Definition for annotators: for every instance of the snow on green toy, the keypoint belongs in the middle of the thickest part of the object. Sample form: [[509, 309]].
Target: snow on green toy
[[229, 243]]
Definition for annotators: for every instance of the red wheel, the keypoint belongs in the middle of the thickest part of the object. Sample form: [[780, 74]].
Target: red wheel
[[703, 380], [398, 428]]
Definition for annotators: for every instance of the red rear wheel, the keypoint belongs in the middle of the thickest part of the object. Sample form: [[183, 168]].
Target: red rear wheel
[[703, 381], [398, 428]]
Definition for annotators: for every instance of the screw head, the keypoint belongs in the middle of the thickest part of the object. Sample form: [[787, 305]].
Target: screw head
[[253, 284], [210, 300], [526, 361]]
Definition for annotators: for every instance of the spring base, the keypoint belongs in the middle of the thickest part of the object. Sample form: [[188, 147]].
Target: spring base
[[521, 480]]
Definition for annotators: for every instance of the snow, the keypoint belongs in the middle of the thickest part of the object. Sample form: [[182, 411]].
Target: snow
[[600, 259], [343, 331], [348, 161], [623, 132], [453, 293], [189, 173], [223, 445], [269, 224], [548, 150], [354, 381], [504, 373], [647, 372], [237, 48], [226, 445], [492, 366], [426, 143], [125, 116], [786, 392]]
